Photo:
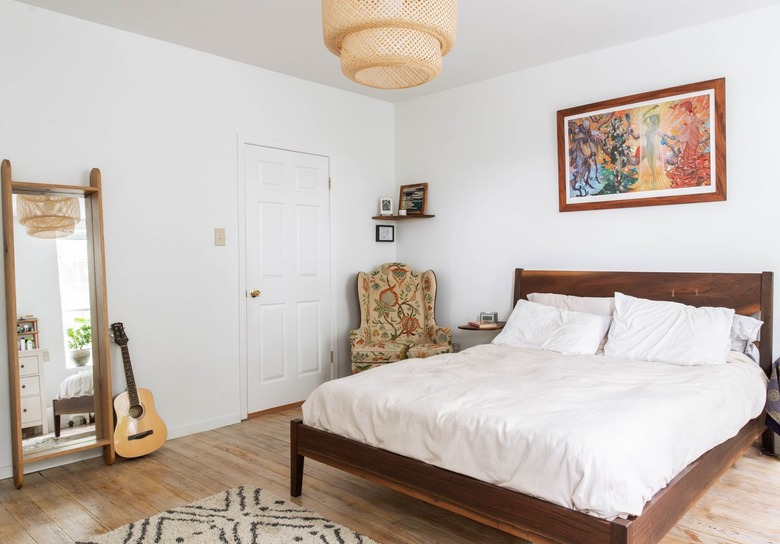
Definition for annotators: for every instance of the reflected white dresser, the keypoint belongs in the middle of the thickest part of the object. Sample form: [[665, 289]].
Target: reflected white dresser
[[31, 389]]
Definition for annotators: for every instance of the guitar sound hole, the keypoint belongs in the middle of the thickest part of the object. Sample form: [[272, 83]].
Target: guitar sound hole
[[136, 411]]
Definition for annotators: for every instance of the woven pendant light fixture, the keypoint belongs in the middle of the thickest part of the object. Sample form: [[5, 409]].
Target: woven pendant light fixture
[[48, 216], [390, 44]]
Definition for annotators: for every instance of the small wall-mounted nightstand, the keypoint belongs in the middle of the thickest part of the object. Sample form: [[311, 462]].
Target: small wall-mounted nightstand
[[471, 327]]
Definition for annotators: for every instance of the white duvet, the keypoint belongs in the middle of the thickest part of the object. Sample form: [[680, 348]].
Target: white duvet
[[597, 434], [76, 385]]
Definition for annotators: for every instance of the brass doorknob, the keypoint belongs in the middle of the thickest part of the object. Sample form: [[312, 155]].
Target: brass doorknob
[[254, 293]]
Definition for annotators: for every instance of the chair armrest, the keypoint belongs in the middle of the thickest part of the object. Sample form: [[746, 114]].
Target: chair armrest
[[439, 335]]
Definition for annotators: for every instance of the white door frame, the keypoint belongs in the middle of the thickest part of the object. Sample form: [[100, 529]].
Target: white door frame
[[244, 140]]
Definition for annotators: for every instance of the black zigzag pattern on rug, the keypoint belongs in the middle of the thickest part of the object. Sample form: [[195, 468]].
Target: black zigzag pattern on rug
[[244, 515]]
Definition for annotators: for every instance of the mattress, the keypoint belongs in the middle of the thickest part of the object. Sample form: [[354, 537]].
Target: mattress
[[596, 434]]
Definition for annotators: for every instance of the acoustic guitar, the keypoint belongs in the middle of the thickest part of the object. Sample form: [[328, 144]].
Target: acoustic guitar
[[139, 429]]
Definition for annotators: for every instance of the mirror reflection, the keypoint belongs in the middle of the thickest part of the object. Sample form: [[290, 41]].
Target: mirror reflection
[[54, 331]]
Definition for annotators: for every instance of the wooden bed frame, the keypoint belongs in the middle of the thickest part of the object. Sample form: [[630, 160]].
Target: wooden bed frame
[[74, 405], [535, 519]]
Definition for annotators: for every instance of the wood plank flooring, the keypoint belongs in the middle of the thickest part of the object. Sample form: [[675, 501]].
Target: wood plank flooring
[[74, 502]]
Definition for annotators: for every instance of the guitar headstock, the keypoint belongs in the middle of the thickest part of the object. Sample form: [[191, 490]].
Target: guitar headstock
[[118, 333]]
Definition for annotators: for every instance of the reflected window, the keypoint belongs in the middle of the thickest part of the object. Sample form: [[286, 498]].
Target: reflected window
[[73, 268]]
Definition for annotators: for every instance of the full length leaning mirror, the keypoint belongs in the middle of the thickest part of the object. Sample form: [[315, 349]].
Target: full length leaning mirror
[[56, 302]]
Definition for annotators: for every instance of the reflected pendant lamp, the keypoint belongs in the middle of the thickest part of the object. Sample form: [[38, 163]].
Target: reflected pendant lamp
[[48, 216], [390, 44]]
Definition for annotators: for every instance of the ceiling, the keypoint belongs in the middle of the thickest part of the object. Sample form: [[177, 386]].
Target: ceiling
[[495, 37]]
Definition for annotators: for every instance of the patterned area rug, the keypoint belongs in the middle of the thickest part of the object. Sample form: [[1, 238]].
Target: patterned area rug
[[49, 441], [245, 515]]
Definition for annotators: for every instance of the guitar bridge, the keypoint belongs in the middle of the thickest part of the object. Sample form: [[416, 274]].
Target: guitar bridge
[[139, 436]]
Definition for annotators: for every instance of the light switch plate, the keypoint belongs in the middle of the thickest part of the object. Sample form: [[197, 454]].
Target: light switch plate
[[219, 237]]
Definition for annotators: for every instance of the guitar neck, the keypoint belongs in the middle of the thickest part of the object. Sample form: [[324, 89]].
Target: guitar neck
[[132, 391]]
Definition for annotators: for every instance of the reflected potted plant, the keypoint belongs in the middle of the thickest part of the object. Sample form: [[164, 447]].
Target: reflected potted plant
[[79, 341]]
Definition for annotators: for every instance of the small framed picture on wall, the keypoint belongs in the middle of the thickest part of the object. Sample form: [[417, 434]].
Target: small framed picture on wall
[[385, 205], [385, 233]]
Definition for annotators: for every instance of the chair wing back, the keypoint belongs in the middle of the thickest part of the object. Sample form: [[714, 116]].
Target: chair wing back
[[397, 303]]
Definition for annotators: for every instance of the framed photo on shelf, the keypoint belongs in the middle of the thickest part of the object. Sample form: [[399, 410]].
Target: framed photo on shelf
[[649, 149], [385, 205], [385, 233], [412, 198]]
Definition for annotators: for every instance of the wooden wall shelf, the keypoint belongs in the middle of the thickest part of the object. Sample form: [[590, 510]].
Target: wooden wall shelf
[[27, 329], [402, 217]]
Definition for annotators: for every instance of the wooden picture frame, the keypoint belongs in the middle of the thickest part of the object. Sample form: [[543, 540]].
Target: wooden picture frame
[[413, 198], [648, 149], [385, 233]]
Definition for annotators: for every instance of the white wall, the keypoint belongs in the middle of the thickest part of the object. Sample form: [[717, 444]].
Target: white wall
[[162, 123], [488, 151], [37, 284], [38, 294]]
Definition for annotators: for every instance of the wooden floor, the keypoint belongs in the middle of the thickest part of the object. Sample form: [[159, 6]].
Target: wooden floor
[[83, 499]]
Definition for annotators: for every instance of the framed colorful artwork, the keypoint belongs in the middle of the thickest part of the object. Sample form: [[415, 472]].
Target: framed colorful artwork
[[412, 198], [648, 149]]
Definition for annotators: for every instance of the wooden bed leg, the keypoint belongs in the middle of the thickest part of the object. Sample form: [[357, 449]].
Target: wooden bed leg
[[770, 444], [296, 461], [619, 531]]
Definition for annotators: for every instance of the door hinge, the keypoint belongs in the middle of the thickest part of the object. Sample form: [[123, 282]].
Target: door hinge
[[330, 184], [331, 357]]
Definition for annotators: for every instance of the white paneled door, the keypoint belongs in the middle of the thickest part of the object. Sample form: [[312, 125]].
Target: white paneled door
[[287, 275]]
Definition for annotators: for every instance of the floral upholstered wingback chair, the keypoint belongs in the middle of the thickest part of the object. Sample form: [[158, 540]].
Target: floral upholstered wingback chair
[[396, 317]]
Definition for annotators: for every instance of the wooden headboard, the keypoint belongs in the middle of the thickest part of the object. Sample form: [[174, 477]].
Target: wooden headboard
[[748, 294]]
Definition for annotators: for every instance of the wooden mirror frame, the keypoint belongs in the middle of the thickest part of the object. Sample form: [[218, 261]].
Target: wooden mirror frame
[[101, 369]]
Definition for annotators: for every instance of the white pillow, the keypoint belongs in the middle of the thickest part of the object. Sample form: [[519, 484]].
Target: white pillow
[[669, 332], [588, 305], [745, 331], [538, 326]]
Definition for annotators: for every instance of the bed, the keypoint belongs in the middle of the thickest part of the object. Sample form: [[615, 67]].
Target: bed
[[540, 520], [75, 396]]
